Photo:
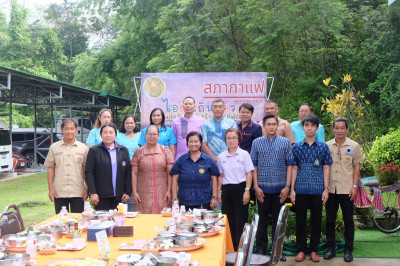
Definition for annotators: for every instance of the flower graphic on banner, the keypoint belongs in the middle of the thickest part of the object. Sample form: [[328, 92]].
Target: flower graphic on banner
[[154, 87]]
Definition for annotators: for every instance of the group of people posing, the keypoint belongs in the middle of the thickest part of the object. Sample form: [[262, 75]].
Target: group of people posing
[[202, 163]]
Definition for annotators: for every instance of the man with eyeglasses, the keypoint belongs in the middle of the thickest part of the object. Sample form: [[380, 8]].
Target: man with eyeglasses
[[297, 128], [183, 125], [344, 174], [213, 130], [284, 128], [273, 159]]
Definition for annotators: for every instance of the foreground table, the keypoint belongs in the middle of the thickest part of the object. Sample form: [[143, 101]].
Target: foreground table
[[212, 253]]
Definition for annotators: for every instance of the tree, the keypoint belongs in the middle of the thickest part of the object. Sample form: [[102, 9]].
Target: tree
[[69, 24]]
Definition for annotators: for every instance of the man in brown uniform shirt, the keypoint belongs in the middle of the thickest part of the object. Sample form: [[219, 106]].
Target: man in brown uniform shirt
[[284, 128], [344, 174], [65, 164]]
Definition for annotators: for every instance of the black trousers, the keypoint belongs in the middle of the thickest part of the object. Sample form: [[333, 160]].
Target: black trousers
[[332, 207], [106, 204], [270, 206], [232, 206], [314, 204], [74, 205]]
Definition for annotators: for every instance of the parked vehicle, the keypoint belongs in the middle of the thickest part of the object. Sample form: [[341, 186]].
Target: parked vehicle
[[19, 162], [6, 160], [23, 143]]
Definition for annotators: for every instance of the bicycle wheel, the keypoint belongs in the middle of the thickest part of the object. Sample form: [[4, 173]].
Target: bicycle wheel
[[388, 221]]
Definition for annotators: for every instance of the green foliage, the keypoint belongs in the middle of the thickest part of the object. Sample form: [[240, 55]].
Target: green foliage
[[386, 149]]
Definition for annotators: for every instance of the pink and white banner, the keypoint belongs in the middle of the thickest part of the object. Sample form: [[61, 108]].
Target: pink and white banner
[[167, 91]]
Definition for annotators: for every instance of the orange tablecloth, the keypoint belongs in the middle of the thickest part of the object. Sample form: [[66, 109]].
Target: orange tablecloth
[[212, 253]]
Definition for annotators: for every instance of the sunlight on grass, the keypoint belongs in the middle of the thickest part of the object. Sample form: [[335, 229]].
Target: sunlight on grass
[[23, 189]]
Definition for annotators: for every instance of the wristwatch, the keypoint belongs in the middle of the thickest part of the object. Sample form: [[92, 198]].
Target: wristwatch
[[288, 185], [354, 186], [214, 197], [247, 189], [326, 188]]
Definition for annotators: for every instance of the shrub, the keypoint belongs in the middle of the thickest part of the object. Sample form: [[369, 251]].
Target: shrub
[[386, 149]]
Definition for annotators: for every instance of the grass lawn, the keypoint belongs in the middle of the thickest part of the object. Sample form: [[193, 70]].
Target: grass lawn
[[371, 243], [24, 189]]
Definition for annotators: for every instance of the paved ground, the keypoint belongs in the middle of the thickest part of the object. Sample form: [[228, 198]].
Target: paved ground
[[27, 172], [339, 261]]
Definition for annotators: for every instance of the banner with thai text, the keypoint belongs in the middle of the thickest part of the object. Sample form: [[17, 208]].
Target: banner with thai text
[[167, 91]]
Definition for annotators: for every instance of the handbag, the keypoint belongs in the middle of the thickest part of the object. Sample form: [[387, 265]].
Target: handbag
[[11, 221]]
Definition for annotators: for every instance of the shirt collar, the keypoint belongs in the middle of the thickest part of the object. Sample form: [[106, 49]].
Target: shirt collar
[[345, 143], [157, 150], [187, 156], [316, 142], [215, 121], [250, 124], [268, 139], [64, 143], [107, 148]]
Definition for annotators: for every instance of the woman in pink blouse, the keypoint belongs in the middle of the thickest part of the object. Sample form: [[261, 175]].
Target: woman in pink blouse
[[151, 182]]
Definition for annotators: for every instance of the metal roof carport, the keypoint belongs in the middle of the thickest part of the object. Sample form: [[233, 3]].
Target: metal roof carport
[[22, 88]]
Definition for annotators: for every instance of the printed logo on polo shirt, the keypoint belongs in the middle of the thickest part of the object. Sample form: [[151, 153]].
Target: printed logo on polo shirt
[[201, 170], [79, 160], [348, 160], [123, 163], [316, 163]]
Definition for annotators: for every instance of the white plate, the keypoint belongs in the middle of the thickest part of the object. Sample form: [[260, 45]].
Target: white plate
[[131, 214], [71, 247], [129, 258]]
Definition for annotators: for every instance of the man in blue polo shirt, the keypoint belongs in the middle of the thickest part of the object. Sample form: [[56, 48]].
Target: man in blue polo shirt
[[297, 127], [273, 159], [248, 129], [309, 190], [213, 130]]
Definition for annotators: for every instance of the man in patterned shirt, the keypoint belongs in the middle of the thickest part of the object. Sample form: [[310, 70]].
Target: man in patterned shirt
[[273, 159], [213, 130], [310, 180]]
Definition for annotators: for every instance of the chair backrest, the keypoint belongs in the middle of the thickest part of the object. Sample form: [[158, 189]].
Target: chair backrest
[[11, 221], [243, 246], [277, 244], [254, 226]]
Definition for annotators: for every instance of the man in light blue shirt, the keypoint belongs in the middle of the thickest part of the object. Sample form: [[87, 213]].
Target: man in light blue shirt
[[213, 130], [297, 128]]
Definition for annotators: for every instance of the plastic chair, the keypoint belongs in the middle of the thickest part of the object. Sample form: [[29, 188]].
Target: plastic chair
[[277, 244], [239, 258]]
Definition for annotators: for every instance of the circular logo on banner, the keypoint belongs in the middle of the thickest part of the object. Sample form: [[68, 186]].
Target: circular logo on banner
[[154, 87]]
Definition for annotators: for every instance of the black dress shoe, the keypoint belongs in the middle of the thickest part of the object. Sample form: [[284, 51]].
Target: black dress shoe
[[348, 256], [283, 258], [329, 254]]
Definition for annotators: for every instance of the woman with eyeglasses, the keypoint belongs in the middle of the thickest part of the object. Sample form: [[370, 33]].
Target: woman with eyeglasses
[[196, 175], [234, 183], [166, 136], [151, 182], [108, 172]]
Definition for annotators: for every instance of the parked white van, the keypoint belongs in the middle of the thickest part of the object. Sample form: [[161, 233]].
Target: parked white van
[[6, 160]]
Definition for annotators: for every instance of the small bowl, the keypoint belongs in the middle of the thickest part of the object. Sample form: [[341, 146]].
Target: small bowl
[[24, 256], [55, 232], [14, 240], [210, 215], [160, 239], [59, 225], [201, 228], [185, 241], [189, 234], [184, 228], [165, 233]]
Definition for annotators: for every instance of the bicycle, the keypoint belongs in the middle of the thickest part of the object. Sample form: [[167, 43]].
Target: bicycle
[[386, 213]]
